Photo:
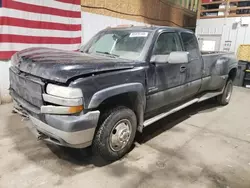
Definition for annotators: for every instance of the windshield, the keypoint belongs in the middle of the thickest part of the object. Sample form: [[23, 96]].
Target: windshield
[[119, 43]]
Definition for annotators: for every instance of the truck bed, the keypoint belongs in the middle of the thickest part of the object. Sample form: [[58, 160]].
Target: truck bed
[[211, 58]]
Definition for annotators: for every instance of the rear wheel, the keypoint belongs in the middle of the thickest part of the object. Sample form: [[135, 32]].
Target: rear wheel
[[116, 134], [224, 99]]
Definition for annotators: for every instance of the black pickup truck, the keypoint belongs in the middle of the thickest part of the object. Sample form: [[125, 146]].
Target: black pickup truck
[[121, 81]]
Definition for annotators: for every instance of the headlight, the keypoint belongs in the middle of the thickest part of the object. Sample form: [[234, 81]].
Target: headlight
[[65, 92]]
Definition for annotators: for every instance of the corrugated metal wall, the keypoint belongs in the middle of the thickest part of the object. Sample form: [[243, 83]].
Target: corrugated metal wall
[[231, 31]]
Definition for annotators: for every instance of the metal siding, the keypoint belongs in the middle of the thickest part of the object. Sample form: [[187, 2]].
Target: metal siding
[[216, 38], [227, 28]]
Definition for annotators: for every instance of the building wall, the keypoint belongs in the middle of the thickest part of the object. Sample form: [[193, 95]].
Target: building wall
[[229, 30], [4, 81], [93, 23], [155, 12]]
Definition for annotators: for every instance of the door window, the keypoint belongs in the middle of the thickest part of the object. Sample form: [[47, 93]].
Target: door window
[[190, 45], [167, 43]]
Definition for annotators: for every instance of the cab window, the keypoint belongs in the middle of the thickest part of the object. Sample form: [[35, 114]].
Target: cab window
[[167, 43], [190, 44]]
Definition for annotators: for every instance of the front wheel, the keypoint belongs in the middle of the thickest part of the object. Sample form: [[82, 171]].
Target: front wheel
[[224, 99], [116, 134]]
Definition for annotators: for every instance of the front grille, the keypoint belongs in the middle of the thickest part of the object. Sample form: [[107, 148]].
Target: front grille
[[29, 89]]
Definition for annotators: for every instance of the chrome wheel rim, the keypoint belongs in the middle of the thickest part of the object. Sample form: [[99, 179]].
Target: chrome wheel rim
[[229, 91], [120, 135]]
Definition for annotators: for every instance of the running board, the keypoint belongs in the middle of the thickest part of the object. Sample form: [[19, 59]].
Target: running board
[[209, 96], [165, 114]]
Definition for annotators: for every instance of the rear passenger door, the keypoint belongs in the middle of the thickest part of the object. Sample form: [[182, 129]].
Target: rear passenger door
[[195, 66]]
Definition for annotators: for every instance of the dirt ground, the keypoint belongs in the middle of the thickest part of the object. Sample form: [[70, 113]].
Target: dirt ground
[[203, 146]]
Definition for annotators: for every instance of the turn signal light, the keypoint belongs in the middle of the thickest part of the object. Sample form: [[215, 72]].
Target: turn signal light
[[75, 109]]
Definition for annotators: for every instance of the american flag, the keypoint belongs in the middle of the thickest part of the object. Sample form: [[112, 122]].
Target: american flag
[[39, 23]]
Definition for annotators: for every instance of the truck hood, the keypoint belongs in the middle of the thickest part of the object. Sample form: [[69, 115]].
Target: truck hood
[[60, 66]]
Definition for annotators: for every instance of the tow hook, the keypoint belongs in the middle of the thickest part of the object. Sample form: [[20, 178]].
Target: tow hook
[[21, 112], [42, 136]]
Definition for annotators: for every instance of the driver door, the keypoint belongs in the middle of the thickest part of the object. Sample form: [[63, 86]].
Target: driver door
[[168, 82]]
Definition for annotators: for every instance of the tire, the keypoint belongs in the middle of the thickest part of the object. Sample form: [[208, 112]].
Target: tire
[[224, 99], [116, 134]]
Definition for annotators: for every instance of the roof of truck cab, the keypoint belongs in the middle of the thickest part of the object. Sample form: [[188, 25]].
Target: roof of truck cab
[[152, 28]]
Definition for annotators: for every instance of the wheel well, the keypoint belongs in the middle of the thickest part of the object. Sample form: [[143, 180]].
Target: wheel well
[[124, 99], [129, 100], [232, 74]]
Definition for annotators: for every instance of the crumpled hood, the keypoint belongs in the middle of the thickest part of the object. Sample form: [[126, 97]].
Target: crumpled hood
[[60, 66]]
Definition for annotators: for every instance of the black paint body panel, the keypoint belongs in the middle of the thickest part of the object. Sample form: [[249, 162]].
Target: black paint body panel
[[61, 66]]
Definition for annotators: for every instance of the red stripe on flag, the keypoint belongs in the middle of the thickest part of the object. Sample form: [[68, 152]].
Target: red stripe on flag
[[40, 9], [38, 24], [76, 2], [6, 54], [38, 40], [4, 2]]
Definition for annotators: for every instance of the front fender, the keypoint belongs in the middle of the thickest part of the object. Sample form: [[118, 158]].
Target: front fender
[[106, 93], [140, 101]]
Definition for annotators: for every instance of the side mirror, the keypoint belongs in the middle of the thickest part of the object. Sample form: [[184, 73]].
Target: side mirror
[[172, 58], [178, 57], [159, 59]]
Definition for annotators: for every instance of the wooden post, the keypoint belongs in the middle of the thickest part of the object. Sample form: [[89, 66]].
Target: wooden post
[[192, 5], [227, 8], [183, 3], [199, 9], [196, 5], [187, 4]]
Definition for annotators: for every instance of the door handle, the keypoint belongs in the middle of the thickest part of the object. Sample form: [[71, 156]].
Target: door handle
[[183, 68]]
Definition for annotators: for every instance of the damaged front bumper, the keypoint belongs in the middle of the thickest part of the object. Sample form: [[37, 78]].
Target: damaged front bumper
[[56, 112], [76, 131], [61, 130]]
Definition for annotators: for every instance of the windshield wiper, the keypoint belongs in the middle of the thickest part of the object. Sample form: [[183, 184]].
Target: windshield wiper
[[107, 53]]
